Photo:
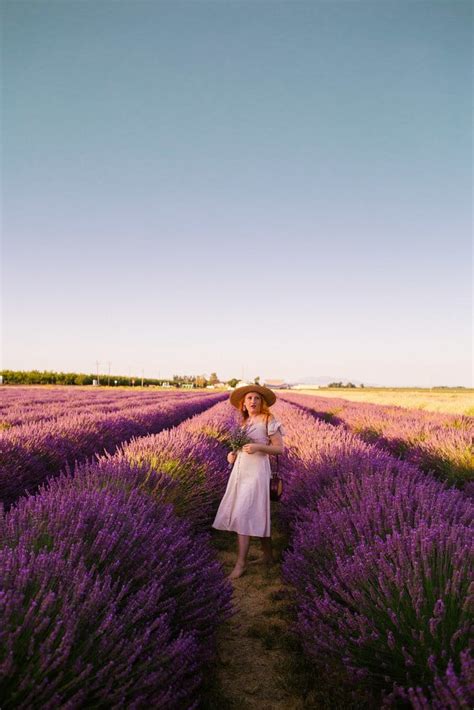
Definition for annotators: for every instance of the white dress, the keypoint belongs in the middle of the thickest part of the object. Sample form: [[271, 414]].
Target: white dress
[[245, 506]]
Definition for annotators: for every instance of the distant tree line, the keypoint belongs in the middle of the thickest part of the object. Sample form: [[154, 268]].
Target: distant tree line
[[339, 384], [201, 380], [49, 377]]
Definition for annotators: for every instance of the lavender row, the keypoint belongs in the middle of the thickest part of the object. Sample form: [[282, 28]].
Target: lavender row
[[405, 500], [442, 443], [26, 407], [43, 394], [380, 560], [111, 600], [317, 456], [30, 454], [193, 455]]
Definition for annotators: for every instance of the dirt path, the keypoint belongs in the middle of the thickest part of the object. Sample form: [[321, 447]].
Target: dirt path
[[259, 662]]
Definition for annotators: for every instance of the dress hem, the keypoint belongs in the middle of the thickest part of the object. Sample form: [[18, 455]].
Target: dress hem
[[251, 534]]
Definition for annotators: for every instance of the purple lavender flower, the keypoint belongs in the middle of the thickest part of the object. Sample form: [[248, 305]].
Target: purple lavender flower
[[435, 442], [378, 550], [153, 573], [71, 637], [30, 453]]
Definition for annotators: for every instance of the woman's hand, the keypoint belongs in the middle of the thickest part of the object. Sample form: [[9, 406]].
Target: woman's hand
[[231, 456], [251, 448]]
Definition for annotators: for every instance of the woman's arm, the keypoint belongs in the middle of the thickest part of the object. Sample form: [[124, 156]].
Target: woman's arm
[[276, 446]]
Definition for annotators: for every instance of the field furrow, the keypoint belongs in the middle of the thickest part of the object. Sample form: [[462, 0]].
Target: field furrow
[[439, 443], [368, 602], [31, 453]]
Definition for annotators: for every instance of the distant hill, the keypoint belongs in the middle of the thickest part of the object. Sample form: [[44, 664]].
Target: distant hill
[[325, 380]]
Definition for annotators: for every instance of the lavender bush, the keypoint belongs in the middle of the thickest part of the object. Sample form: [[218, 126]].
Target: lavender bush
[[194, 461], [397, 612], [451, 691], [69, 639], [380, 563], [442, 443], [32, 453], [25, 405], [156, 573], [362, 504]]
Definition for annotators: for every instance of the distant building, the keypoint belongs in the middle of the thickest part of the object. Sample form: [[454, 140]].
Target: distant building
[[277, 384], [302, 386], [242, 384], [272, 384]]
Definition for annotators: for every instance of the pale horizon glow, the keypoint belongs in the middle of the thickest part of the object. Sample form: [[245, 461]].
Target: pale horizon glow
[[268, 189]]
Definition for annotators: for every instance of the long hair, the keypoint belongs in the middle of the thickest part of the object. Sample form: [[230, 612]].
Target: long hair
[[264, 408]]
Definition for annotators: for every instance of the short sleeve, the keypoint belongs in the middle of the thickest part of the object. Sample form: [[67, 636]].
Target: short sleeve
[[273, 427]]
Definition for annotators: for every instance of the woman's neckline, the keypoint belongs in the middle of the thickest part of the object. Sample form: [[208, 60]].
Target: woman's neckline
[[255, 420]]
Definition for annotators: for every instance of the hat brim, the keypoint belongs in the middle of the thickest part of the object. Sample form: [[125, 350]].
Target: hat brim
[[268, 395]]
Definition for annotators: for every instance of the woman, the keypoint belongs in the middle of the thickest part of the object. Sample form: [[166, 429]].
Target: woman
[[245, 507]]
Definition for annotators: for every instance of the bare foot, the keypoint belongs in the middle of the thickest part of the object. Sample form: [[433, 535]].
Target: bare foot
[[262, 561], [238, 571]]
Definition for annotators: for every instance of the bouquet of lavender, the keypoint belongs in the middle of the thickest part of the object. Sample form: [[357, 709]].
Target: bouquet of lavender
[[236, 439]]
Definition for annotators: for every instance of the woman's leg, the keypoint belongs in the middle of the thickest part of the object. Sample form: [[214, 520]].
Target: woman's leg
[[267, 553], [243, 548], [267, 549]]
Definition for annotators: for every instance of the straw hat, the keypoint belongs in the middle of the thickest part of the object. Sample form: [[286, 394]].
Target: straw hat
[[268, 395]]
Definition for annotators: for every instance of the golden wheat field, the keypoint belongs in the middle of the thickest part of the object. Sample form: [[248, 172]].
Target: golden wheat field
[[452, 401]]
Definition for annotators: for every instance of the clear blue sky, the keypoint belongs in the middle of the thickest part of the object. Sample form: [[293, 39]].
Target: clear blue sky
[[263, 188]]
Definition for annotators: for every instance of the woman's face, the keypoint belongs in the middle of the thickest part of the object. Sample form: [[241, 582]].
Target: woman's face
[[253, 402]]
